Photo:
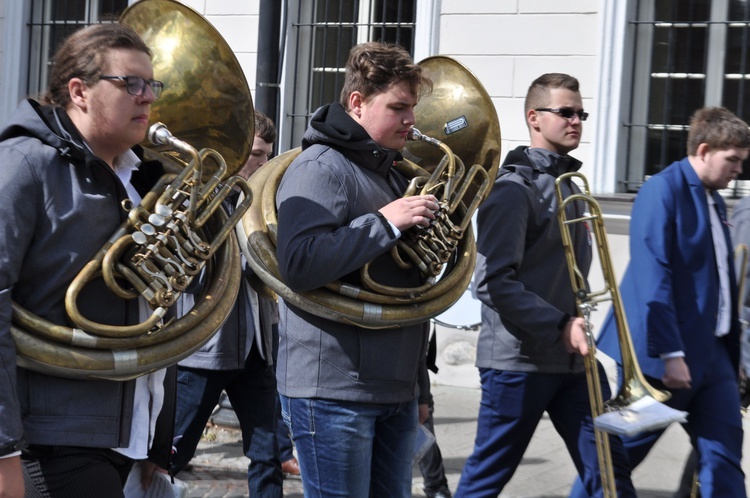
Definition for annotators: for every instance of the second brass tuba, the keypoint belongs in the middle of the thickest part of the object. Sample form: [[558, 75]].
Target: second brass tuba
[[458, 121], [179, 230]]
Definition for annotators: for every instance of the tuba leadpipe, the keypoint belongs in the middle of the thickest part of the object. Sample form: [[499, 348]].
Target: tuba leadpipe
[[634, 385]]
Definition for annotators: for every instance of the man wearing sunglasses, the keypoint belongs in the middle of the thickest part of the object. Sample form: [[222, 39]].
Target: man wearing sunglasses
[[532, 343]]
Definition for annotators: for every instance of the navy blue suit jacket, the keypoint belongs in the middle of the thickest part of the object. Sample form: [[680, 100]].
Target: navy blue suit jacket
[[670, 289]]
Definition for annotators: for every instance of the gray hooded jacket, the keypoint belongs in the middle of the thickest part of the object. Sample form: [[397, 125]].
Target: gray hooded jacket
[[329, 227], [60, 204]]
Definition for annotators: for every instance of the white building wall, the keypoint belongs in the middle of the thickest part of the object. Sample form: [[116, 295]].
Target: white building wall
[[237, 21], [508, 43]]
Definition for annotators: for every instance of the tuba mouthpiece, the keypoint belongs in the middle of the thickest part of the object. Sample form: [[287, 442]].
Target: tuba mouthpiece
[[414, 134], [158, 134]]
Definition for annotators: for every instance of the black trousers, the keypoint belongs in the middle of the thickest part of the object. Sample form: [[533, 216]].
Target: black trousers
[[74, 472], [431, 464]]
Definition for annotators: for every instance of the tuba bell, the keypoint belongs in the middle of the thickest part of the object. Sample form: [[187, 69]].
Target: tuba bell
[[179, 229], [457, 115]]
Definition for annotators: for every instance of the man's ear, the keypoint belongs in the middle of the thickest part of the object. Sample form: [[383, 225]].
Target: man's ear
[[702, 150], [532, 119], [355, 103], [78, 91]]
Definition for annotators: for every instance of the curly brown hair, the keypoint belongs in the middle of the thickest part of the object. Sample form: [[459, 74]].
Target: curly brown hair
[[719, 128], [373, 67]]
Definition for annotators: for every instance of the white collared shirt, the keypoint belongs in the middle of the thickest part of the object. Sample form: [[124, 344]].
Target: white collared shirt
[[149, 388], [722, 257]]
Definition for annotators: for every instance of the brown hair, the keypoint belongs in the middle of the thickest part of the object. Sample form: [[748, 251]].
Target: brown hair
[[719, 128], [83, 55], [264, 127], [538, 93], [374, 66]]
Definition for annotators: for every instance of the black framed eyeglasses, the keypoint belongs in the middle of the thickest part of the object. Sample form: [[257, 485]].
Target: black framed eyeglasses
[[565, 112], [136, 85]]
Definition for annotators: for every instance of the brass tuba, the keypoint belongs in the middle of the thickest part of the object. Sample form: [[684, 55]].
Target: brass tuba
[[179, 229], [459, 121], [633, 385]]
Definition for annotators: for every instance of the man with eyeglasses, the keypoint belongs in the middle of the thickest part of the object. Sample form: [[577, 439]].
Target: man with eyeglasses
[[68, 164], [136, 86], [532, 343]]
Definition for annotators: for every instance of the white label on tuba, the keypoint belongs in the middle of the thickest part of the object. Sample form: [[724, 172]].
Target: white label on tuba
[[126, 360], [455, 125]]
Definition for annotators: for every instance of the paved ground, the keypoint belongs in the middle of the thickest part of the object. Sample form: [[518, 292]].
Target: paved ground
[[219, 468]]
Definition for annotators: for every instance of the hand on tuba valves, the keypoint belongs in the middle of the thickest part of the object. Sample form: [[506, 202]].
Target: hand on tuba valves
[[431, 248]]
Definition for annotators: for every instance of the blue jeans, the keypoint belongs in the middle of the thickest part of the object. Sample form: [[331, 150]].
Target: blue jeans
[[352, 450], [252, 392]]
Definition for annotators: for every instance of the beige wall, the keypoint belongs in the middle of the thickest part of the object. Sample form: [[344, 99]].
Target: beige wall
[[507, 44], [237, 21]]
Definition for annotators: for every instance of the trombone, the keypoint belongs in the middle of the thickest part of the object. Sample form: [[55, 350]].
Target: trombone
[[634, 385]]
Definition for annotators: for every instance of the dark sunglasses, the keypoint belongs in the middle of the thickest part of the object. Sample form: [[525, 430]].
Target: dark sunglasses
[[566, 112]]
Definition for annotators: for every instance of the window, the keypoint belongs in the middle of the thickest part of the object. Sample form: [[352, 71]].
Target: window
[[323, 32], [52, 21], [687, 54]]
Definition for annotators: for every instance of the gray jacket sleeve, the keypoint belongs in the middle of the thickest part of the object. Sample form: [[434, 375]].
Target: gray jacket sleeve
[[741, 235], [17, 215], [319, 241]]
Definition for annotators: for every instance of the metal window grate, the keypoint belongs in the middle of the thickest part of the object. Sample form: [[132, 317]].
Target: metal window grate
[[323, 32], [51, 21], [688, 54]]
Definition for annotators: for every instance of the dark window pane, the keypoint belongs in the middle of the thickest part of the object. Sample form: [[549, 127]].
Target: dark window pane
[[673, 101], [396, 20], [679, 50], [739, 10], [110, 10], [327, 30], [737, 96], [664, 147], [682, 10], [737, 49], [325, 86], [72, 10]]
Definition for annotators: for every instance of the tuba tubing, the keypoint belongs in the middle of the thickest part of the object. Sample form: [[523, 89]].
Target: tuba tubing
[[338, 301], [69, 352]]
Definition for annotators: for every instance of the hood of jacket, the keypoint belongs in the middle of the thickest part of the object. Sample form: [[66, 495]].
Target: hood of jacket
[[331, 125], [545, 161], [51, 125]]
